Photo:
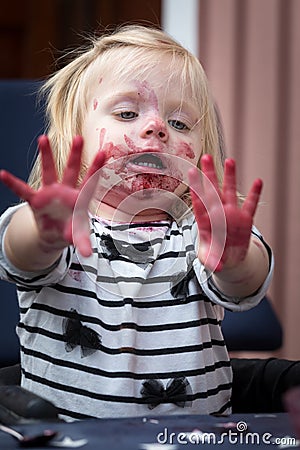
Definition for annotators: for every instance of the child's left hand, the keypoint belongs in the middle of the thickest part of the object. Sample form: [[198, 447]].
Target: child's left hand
[[224, 226]]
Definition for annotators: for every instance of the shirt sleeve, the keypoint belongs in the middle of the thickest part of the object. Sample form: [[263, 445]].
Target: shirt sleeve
[[44, 277], [234, 303]]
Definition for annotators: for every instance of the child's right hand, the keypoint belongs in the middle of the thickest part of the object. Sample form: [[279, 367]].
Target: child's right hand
[[58, 222]]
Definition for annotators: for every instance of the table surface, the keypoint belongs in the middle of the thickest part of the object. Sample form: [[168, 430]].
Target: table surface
[[167, 433]]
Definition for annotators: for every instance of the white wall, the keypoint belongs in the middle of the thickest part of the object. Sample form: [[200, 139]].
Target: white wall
[[180, 18]]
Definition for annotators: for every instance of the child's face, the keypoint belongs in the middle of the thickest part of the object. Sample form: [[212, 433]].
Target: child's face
[[154, 129]]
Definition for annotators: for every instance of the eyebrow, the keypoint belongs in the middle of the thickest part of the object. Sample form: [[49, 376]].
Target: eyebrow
[[125, 94], [185, 106]]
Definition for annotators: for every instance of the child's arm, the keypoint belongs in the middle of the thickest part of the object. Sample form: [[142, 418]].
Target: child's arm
[[239, 261], [49, 222]]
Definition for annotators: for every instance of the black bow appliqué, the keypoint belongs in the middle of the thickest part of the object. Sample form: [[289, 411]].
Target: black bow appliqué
[[77, 334], [139, 253], [177, 392], [180, 289], [112, 252]]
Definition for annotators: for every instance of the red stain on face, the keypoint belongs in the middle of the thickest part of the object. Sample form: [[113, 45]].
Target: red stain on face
[[120, 160], [159, 146], [150, 181], [148, 94], [184, 150], [101, 138], [115, 152], [95, 104]]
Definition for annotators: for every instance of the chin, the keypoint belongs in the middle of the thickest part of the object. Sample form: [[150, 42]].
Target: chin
[[150, 182]]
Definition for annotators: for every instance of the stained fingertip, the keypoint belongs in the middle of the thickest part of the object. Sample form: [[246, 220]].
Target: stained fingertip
[[230, 163], [5, 175], [101, 157], [2, 173], [258, 183], [193, 173], [78, 140], [97, 164], [85, 248], [206, 158], [42, 139], [207, 163]]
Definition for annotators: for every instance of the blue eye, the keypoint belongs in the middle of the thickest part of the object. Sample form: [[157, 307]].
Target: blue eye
[[178, 125], [128, 115]]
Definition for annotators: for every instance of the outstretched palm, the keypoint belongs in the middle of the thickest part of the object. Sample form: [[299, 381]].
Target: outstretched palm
[[53, 204], [224, 226]]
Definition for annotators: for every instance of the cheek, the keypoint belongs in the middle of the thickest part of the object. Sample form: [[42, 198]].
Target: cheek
[[114, 153], [101, 132], [185, 151]]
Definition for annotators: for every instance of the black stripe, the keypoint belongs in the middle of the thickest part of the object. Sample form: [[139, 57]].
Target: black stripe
[[68, 256], [131, 350], [35, 289], [122, 374], [127, 226], [115, 398], [120, 243], [167, 255], [127, 325], [18, 280], [39, 277], [143, 281], [139, 304]]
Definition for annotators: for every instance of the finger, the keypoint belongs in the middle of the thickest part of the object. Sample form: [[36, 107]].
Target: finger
[[251, 201], [229, 183], [83, 244], [90, 181], [19, 187], [196, 190], [77, 232], [49, 175], [72, 169], [210, 180], [96, 165]]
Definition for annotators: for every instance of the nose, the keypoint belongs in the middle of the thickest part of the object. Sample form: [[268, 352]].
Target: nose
[[155, 127]]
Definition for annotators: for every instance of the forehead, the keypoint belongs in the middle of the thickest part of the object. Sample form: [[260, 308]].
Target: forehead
[[138, 68]]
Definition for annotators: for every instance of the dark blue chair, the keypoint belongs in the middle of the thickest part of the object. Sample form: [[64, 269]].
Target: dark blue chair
[[21, 121], [257, 329]]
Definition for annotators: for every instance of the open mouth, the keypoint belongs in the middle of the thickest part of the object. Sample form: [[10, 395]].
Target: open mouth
[[148, 160]]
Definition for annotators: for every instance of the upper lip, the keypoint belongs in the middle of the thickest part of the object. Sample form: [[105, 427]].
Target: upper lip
[[151, 157]]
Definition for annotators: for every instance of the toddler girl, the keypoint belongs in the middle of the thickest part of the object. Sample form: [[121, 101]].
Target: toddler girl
[[124, 252]]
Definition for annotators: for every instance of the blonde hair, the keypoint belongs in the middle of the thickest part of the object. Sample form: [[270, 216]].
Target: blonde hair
[[137, 48]]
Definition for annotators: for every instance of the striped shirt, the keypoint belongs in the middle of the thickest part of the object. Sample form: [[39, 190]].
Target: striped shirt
[[132, 330]]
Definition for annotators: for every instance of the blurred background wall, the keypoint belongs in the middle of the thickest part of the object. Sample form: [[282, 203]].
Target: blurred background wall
[[250, 50], [33, 32], [251, 53]]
